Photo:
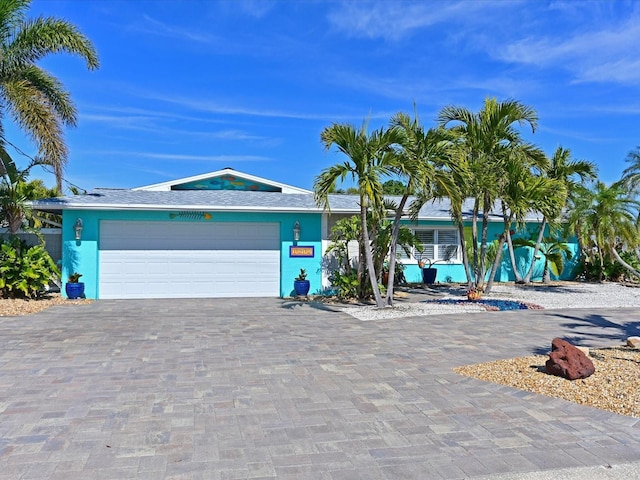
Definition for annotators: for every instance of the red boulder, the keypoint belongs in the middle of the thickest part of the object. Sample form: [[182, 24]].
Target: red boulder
[[568, 362]]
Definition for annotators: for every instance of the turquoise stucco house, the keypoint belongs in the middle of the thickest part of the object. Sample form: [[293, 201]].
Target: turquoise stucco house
[[221, 234]]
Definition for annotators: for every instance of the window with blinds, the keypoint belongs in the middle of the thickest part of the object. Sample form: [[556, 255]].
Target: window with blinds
[[438, 244]]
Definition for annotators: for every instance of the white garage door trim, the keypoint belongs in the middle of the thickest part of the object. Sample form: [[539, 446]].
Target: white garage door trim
[[188, 260]]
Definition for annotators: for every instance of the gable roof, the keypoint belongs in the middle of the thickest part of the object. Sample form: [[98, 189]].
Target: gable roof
[[216, 191], [225, 179]]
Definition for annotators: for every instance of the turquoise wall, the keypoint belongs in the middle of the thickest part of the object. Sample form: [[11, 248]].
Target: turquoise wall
[[454, 272], [82, 256]]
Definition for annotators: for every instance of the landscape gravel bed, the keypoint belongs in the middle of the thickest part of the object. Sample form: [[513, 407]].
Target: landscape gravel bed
[[558, 295], [13, 307], [613, 386]]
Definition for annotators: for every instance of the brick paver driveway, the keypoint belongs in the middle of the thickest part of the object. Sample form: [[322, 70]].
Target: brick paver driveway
[[263, 388]]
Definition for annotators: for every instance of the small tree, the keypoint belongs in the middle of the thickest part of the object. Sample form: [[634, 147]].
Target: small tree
[[25, 271]]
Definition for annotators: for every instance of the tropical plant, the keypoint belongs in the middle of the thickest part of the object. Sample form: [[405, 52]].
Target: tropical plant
[[31, 96], [605, 221], [25, 271], [570, 174], [420, 161], [15, 193], [524, 190], [342, 233], [393, 187], [301, 276], [345, 284], [631, 174], [485, 142], [367, 162], [74, 277], [555, 251], [347, 230]]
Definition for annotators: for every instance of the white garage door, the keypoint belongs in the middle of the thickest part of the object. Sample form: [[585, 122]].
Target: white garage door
[[188, 260]]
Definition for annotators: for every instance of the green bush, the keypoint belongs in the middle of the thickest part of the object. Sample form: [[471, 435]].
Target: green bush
[[346, 285], [25, 271]]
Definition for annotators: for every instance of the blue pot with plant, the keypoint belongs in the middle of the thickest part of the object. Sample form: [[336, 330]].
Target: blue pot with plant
[[300, 284], [74, 288]]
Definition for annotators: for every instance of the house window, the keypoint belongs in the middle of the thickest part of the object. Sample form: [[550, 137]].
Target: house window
[[438, 244]]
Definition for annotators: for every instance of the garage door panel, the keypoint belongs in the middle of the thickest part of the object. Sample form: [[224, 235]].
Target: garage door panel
[[155, 261]]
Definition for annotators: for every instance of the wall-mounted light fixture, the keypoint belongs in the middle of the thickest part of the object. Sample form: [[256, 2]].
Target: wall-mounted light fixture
[[296, 231], [78, 229]]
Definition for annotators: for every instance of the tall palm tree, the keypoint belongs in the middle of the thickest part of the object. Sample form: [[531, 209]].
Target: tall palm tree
[[31, 96], [523, 192], [368, 160], [485, 141], [567, 172], [420, 162], [605, 219]]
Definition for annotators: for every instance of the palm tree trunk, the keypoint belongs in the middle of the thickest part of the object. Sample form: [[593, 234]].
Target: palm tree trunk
[[474, 241], [512, 257], [394, 248], [483, 245], [465, 255], [373, 278], [496, 264], [619, 259], [527, 278], [507, 219]]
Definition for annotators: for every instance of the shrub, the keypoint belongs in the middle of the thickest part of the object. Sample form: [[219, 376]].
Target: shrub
[[25, 271]]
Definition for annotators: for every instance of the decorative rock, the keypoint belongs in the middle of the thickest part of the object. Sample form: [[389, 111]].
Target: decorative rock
[[633, 342], [566, 361]]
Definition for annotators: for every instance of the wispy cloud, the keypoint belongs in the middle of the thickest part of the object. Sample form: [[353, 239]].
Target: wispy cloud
[[183, 157], [610, 54], [395, 20], [213, 106], [157, 27]]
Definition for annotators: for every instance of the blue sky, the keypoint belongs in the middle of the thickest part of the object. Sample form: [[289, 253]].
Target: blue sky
[[188, 87]]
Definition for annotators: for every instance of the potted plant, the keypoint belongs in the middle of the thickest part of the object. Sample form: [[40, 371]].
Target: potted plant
[[474, 294], [300, 284], [73, 288], [428, 272]]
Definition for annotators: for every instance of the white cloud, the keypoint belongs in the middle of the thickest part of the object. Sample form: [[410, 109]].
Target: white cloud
[[393, 20], [608, 54], [156, 27]]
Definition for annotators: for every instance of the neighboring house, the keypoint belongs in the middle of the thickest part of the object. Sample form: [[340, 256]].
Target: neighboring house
[[220, 234]]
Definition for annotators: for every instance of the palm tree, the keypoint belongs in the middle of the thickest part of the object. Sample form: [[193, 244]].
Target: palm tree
[[368, 160], [15, 193], [605, 219], [553, 250], [631, 175], [419, 162], [485, 141], [32, 97], [567, 172], [523, 192]]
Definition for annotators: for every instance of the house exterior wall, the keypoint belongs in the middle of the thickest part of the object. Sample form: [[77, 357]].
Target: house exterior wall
[[454, 271], [83, 256]]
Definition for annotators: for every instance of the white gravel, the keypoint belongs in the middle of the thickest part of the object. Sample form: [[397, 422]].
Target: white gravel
[[561, 295]]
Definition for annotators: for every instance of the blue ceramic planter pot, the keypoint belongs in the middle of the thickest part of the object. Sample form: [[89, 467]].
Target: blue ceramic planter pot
[[74, 290], [301, 287]]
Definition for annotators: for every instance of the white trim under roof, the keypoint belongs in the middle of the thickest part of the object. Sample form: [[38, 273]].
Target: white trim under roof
[[166, 186]]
